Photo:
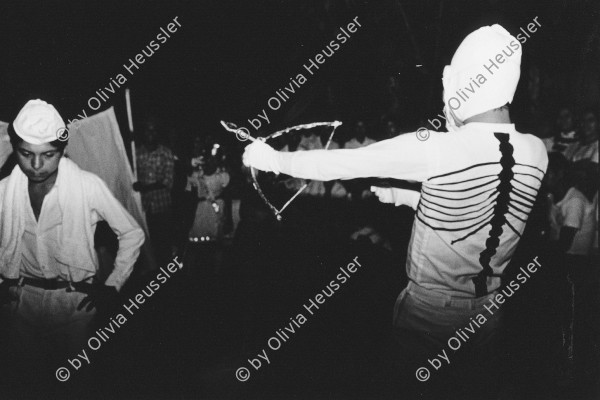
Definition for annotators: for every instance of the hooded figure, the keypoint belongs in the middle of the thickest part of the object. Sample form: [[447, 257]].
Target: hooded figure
[[479, 184], [483, 74]]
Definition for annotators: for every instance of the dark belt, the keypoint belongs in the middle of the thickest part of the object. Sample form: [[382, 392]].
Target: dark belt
[[48, 284]]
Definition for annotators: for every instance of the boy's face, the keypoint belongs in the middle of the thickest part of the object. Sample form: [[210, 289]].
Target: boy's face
[[38, 161]]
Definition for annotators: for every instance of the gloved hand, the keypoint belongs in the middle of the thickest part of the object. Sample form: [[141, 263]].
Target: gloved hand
[[103, 298], [261, 156], [397, 196]]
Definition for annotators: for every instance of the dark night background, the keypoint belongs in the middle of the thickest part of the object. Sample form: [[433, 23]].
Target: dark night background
[[228, 57], [224, 63]]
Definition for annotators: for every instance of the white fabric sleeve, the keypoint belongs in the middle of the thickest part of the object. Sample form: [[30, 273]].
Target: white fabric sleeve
[[402, 157], [130, 235]]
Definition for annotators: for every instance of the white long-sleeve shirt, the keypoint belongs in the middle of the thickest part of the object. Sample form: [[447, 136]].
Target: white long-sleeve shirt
[[41, 255], [480, 177]]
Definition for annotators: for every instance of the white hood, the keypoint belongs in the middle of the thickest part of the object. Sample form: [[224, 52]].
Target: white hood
[[483, 74]]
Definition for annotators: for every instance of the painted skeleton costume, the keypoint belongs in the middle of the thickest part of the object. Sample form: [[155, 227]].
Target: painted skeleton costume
[[480, 180], [479, 185]]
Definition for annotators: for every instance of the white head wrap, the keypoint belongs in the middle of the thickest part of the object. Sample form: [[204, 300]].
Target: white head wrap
[[476, 80], [38, 122]]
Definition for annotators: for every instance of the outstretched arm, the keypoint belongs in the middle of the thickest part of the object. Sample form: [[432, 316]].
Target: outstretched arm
[[403, 157]]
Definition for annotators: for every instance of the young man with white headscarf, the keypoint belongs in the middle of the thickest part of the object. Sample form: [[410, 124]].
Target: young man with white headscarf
[[479, 183], [49, 209]]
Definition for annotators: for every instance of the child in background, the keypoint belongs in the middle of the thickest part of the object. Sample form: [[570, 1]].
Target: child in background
[[207, 181]]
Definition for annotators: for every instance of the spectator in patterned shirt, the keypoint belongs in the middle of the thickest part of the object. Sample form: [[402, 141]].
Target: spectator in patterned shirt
[[155, 165]]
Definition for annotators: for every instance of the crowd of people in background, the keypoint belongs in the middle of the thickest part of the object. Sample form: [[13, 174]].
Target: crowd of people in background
[[192, 194], [200, 203], [192, 197], [247, 272], [572, 235]]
